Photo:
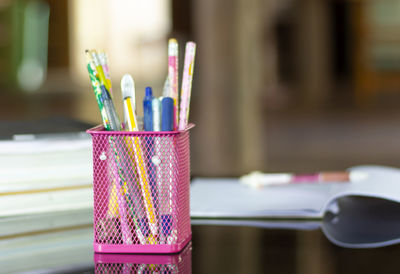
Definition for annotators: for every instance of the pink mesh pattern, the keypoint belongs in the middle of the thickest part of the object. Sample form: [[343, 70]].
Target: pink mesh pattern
[[141, 191], [134, 263]]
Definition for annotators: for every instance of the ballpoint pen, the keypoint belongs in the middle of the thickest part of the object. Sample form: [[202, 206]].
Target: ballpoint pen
[[147, 110], [149, 141], [167, 114], [168, 164]]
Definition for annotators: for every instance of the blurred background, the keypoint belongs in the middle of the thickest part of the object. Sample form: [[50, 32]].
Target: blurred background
[[278, 85]]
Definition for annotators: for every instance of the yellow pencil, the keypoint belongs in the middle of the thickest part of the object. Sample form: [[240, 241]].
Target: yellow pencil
[[135, 149]]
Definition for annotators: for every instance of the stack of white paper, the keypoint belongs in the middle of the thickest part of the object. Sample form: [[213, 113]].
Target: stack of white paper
[[45, 175]]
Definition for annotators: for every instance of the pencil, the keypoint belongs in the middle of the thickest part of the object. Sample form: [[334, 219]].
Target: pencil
[[135, 150], [186, 89], [173, 76]]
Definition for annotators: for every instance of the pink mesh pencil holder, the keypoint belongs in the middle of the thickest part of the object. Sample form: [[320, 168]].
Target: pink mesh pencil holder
[[145, 263], [141, 183]]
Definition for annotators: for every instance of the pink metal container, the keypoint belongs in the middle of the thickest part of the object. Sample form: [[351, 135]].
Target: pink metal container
[[145, 263], [141, 183]]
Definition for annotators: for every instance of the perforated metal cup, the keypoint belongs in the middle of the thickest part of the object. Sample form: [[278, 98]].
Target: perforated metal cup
[[141, 184]]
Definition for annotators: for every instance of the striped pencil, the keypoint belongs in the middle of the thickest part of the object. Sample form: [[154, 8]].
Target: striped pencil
[[187, 79], [173, 76]]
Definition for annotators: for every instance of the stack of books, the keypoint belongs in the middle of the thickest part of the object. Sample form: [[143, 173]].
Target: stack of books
[[42, 173]]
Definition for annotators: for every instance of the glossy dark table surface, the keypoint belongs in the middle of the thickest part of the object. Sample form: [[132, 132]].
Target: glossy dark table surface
[[214, 249]]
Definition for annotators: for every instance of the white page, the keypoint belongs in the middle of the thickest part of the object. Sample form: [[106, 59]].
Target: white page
[[228, 198], [43, 202], [355, 215], [43, 145], [382, 182], [45, 163], [22, 224], [366, 215], [213, 198]]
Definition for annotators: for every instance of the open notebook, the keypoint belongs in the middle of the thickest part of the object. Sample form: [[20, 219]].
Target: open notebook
[[363, 214]]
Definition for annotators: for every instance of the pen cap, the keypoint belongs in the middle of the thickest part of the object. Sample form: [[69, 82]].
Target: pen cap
[[167, 116], [148, 92], [127, 86], [147, 110]]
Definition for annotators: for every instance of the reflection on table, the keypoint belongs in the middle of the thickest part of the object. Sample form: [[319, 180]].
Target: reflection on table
[[63, 243]]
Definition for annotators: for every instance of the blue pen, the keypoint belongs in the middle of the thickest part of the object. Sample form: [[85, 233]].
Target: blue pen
[[167, 114], [147, 110], [148, 126]]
